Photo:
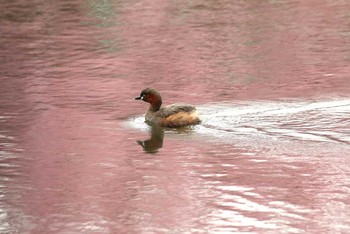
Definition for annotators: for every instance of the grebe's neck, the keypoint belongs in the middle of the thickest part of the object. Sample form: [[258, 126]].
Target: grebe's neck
[[155, 106], [155, 103]]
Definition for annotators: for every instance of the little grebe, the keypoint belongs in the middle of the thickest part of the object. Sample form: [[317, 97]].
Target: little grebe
[[173, 116]]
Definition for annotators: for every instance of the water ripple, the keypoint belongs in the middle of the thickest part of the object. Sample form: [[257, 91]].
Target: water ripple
[[290, 120]]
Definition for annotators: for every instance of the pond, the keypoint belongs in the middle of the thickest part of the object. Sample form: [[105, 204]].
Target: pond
[[270, 80]]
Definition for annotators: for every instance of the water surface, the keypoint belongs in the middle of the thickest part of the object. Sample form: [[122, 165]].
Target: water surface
[[270, 79]]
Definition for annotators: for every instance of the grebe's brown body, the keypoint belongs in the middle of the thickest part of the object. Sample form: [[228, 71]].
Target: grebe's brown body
[[173, 116]]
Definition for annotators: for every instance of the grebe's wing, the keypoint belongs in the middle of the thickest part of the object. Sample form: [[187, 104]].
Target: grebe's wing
[[175, 108]]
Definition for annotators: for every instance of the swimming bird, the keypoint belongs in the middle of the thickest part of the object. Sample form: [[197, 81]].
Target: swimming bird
[[173, 116]]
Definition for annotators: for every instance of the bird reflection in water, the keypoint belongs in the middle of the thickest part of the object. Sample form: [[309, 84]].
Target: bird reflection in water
[[155, 142]]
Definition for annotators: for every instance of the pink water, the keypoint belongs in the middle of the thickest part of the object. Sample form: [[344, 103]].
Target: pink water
[[270, 78]]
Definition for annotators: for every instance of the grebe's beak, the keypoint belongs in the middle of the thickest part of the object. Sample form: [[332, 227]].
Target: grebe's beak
[[138, 98]]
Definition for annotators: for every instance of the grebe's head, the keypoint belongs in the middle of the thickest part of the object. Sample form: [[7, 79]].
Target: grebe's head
[[151, 96]]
